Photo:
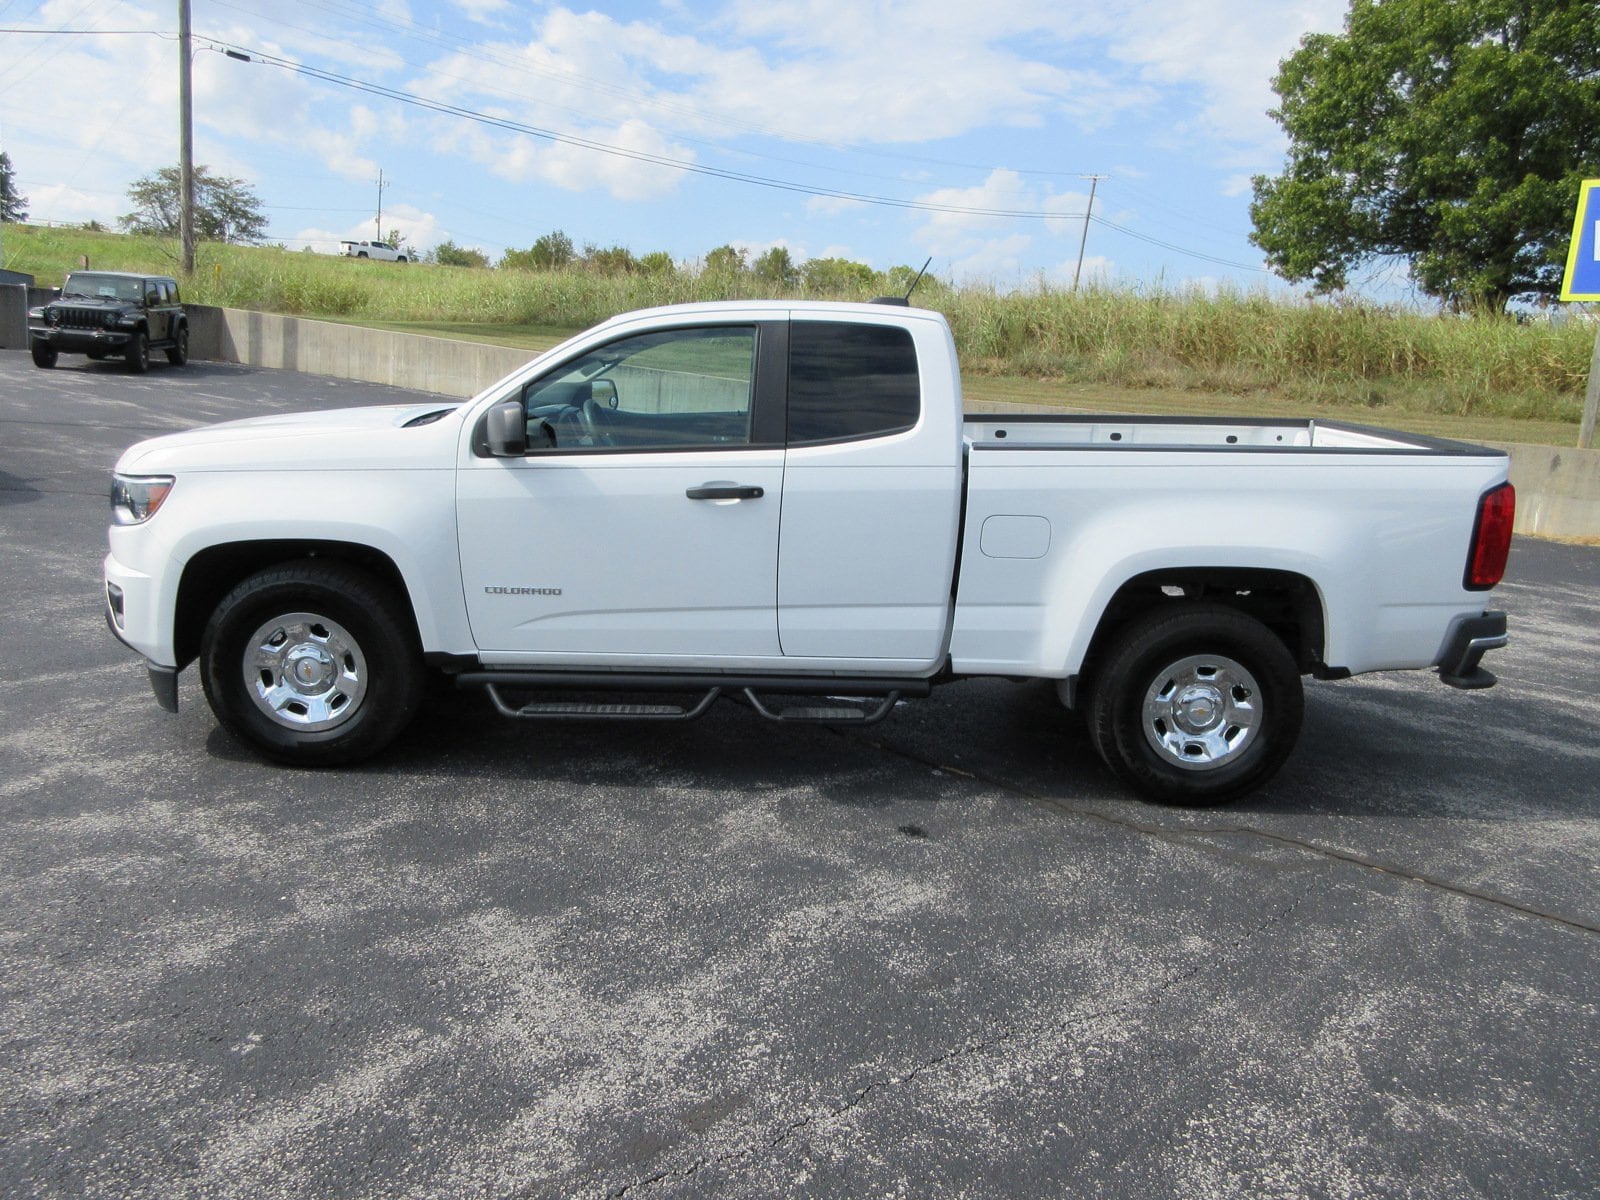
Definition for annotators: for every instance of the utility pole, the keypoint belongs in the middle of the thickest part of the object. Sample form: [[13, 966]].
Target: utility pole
[[1094, 182], [185, 140], [381, 186]]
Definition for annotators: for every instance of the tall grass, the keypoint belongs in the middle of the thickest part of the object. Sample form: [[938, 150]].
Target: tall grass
[[1326, 352]]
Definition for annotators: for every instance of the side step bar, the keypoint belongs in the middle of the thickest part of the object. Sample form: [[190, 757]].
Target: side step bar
[[855, 701], [556, 711], [826, 715]]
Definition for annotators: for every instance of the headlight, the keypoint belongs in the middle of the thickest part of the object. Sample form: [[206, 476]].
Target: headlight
[[135, 498], [113, 319]]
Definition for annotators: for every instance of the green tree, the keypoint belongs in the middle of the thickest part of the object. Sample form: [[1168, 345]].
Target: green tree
[[517, 260], [725, 260], [657, 262], [1452, 135], [225, 210], [776, 267], [553, 250], [837, 276], [448, 254], [13, 204], [610, 260]]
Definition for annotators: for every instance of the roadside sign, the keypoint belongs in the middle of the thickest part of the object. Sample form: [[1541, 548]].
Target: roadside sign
[[1582, 278]]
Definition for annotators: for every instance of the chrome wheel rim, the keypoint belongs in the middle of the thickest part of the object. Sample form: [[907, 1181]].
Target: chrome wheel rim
[[1202, 712], [305, 672]]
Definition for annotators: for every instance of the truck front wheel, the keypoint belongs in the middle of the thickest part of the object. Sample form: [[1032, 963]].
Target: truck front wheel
[[1196, 704], [313, 664]]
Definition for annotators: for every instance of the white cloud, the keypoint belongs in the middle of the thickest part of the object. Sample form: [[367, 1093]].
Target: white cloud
[[482, 10], [832, 206], [1005, 192]]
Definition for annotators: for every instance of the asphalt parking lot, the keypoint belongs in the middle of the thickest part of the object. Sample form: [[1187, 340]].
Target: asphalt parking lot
[[945, 956]]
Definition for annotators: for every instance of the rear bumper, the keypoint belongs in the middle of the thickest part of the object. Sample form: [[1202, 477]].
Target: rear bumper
[[1468, 642]]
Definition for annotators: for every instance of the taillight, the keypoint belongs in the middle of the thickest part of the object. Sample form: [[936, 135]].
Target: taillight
[[1491, 538]]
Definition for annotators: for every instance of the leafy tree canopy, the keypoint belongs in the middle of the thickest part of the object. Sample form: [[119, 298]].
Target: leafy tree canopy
[[776, 266], [1450, 133], [725, 260], [448, 254], [609, 260], [225, 210], [831, 275], [13, 205]]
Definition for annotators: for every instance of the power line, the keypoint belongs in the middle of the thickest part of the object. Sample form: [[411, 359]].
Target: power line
[[643, 156]]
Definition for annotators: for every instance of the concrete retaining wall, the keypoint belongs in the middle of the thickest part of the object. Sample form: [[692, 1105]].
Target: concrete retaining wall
[[428, 364], [13, 316], [1558, 490]]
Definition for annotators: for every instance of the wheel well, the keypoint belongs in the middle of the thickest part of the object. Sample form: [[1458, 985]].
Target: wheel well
[[214, 572], [1286, 603]]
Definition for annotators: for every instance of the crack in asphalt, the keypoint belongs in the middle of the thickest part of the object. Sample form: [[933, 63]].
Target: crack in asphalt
[[1022, 1033]]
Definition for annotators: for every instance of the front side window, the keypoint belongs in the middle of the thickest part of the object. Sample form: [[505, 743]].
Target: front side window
[[850, 381], [673, 389]]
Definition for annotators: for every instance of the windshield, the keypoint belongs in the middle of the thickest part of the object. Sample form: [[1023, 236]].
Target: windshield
[[87, 285]]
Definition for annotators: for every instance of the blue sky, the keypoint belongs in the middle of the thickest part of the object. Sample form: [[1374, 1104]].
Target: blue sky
[[883, 131]]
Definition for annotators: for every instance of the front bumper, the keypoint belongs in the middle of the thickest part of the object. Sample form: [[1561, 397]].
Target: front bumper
[[79, 341], [1471, 638], [130, 609]]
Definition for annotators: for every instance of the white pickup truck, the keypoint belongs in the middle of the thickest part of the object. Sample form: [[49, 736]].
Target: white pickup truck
[[781, 504], [380, 251]]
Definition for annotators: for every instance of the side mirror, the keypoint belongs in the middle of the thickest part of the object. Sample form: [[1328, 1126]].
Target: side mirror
[[506, 430], [603, 392]]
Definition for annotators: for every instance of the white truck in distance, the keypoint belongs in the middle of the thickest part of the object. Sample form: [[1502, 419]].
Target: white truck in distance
[[378, 251], [781, 503]]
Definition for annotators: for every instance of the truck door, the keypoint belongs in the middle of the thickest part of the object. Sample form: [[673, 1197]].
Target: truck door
[[871, 500], [642, 525]]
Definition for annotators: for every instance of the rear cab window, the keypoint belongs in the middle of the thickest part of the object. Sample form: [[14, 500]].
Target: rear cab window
[[850, 381]]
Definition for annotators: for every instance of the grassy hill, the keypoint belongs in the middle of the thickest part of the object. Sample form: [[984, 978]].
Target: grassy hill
[[1133, 349]]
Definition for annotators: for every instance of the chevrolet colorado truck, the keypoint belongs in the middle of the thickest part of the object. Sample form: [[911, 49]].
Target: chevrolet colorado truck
[[380, 251], [781, 503]]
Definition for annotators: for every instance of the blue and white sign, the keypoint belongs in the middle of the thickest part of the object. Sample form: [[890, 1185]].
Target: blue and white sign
[[1582, 278]]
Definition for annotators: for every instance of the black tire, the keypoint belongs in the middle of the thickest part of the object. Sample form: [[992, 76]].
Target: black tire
[[312, 664], [137, 353], [44, 355], [178, 352], [1195, 704]]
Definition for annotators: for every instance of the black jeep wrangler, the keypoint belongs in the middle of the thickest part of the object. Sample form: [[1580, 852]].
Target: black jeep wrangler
[[111, 313]]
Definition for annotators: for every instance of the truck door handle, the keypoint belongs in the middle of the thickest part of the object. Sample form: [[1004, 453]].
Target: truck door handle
[[725, 491]]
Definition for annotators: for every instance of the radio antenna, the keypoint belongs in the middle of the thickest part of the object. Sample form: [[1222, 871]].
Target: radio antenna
[[918, 279]]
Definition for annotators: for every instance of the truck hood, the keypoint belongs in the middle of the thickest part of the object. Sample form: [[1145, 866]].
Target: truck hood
[[387, 437]]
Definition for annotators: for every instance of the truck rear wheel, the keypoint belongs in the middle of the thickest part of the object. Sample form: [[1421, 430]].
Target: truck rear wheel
[[1196, 704], [313, 664]]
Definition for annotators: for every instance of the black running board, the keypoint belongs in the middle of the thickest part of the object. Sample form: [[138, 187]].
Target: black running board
[[842, 701], [837, 714], [560, 711]]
